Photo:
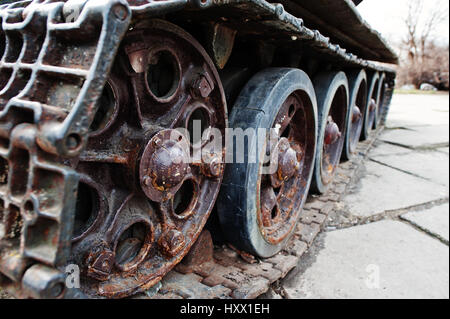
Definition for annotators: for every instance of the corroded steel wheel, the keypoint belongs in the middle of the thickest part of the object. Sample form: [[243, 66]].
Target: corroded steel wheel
[[371, 110], [332, 100], [358, 100], [141, 201], [260, 201]]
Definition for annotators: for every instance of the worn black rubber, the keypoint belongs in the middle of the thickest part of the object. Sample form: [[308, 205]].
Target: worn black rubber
[[357, 82], [327, 86], [257, 107], [386, 104], [372, 93]]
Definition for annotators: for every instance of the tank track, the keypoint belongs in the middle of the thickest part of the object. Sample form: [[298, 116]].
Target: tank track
[[52, 72], [228, 274]]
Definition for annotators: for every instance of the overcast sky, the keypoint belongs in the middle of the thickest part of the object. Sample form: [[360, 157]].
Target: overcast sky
[[387, 16]]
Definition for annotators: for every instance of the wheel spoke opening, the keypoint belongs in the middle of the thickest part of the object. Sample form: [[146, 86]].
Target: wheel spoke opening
[[86, 209], [185, 198], [107, 105], [130, 244], [163, 74], [197, 124]]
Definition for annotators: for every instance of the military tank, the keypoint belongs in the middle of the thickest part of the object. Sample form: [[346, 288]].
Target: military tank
[[113, 118]]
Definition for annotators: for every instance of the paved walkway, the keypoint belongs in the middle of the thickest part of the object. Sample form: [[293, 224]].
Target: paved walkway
[[389, 237]]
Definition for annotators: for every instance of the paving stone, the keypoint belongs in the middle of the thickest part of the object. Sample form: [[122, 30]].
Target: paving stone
[[307, 233], [384, 188], [413, 110], [417, 137], [253, 290], [431, 165], [434, 220], [387, 259], [382, 148]]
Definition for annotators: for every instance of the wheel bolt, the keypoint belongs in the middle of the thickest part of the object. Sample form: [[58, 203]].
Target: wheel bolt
[[372, 105], [202, 87], [213, 168], [157, 142], [171, 242], [120, 12], [288, 164], [332, 133], [100, 265], [356, 114], [147, 181]]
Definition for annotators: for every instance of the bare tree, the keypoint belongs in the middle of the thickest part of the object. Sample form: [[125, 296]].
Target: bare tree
[[420, 42]]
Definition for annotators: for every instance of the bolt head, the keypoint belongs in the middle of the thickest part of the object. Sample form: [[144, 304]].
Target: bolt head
[[332, 133], [120, 12], [356, 114], [171, 242], [202, 87]]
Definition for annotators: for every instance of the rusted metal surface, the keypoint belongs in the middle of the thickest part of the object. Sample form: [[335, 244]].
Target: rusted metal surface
[[89, 155], [228, 274], [334, 136], [200, 253], [155, 201], [283, 192], [48, 86], [128, 226], [221, 41]]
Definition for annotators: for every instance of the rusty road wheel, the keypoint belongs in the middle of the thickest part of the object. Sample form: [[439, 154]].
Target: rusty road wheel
[[260, 201], [141, 201], [371, 110], [358, 100], [332, 100]]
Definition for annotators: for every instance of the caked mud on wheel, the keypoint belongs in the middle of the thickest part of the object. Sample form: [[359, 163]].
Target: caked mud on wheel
[[260, 202], [141, 201], [332, 100]]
